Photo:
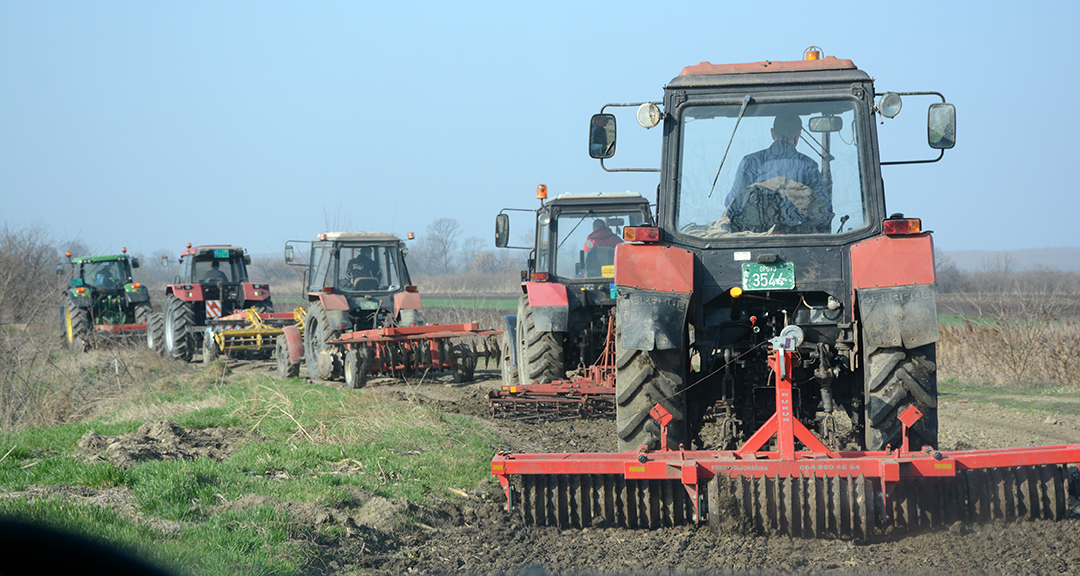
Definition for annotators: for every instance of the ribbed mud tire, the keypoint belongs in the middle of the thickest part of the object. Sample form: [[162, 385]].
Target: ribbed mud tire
[[643, 379], [286, 369], [465, 369], [142, 313], [155, 333], [78, 327], [357, 363], [179, 341], [540, 354], [506, 362], [317, 332], [895, 379], [847, 507]]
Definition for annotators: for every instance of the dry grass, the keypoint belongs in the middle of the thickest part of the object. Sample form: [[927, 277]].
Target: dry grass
[[1014, 353]]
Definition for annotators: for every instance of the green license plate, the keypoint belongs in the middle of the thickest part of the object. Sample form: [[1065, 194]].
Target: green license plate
[[768, 276]]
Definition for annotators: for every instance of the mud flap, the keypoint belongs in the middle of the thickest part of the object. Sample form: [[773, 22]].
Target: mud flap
[[550, 306], [296, 343], [649, 320], [898, 317]]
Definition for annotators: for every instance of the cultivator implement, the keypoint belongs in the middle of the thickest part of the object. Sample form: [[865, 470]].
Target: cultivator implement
[[796, 487], [408, 350], [589, 395], [248, 331]]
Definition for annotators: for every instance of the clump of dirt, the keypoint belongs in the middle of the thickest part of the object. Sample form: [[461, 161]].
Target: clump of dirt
[[160, 440]]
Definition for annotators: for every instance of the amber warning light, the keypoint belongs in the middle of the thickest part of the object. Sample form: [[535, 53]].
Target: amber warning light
[[541, 191]]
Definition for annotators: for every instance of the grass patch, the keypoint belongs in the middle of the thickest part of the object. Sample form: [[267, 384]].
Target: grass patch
[[302, 443], [479, 304], [1046, 399]]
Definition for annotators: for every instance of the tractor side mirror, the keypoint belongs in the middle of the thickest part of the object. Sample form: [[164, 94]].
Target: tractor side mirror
[[134, 262], [289, 256], [59, 269], [941, 126], [502, 230], [602, 136], [164, 261], [826, 124], [247, 259]]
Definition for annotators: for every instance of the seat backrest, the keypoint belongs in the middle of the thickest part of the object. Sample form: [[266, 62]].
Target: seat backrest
[[596, 258]]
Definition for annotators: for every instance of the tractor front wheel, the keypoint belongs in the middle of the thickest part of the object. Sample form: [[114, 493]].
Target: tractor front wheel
[[509, 371], [357, 363], [317, 331], [179, 317], [155, 333], [540, 354], [895, 379], [643, 379], [78, 325], [286, 367], [210, 348]]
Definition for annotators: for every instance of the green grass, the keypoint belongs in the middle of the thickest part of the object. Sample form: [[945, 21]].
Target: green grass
[[1055, 400], [304, 443], [481, 304]]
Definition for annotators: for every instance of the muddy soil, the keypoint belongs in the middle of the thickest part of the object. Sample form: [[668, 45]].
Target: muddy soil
[[488, 540], [474, 534]]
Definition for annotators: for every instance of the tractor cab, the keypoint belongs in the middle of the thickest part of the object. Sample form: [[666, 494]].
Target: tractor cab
[[106, 285], [361, 279]]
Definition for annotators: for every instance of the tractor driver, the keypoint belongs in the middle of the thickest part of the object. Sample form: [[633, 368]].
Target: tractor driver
[[362, 267], [215, 274], [802, 206]]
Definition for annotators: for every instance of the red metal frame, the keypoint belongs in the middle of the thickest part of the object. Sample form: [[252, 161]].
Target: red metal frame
[[695, 468], [578, 395], [432, 356]]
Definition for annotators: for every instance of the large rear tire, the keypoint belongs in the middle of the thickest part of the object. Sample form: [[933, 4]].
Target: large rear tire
[[179, 341], [895, 379], [642, 380], [540, 354], [317, 332], [155, 333], [78, 326]]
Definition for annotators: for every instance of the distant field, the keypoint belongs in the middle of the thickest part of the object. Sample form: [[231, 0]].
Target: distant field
[[474, 304]]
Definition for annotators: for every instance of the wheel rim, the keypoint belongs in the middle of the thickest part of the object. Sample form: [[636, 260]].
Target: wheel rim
[[70, 330]]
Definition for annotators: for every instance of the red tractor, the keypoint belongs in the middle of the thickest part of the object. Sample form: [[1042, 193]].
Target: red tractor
[[212, 283], [564, 311], [776, 297]]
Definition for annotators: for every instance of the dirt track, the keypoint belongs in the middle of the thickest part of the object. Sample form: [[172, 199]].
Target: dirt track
[[490, 540]]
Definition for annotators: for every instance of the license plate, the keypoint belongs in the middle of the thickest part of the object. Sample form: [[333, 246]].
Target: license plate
[[757, 277]]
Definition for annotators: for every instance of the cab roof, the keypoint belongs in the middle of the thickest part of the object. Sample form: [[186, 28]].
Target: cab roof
[[106, 258], [357, 237], [826, 63], [196, 249]]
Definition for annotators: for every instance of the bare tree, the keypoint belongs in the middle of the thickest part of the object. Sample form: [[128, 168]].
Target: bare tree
[[443, 234]]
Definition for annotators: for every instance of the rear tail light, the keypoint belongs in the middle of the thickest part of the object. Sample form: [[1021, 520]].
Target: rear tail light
[[902, 226], [328, 290], [641, 234], [411, 289], [540, 277]]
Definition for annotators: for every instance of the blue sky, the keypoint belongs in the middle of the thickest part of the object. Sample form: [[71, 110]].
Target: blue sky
[[153, 124]]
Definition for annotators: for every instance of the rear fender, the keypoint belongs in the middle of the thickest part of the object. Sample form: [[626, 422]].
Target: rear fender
[[550, 306], [655, 285], [893, 279], [407, 301], [337, 310], [256, 292], [192, 294], [83, 301], [295, 342], [136, 295]]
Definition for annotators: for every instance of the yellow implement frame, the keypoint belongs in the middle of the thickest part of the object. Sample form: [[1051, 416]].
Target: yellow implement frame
[[259, 334]]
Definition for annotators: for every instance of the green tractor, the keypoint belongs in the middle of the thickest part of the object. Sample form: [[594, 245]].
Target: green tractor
[[103, 300]]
